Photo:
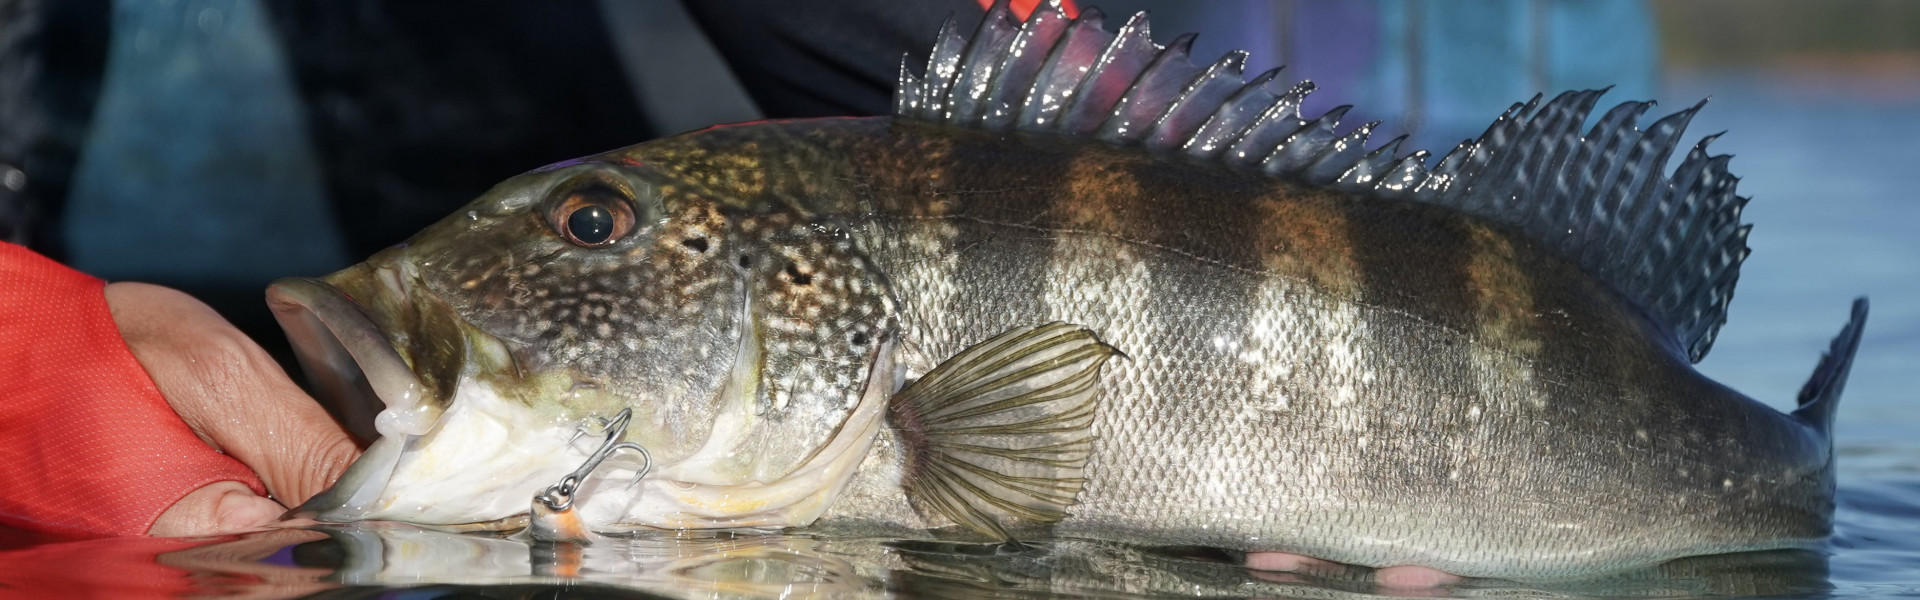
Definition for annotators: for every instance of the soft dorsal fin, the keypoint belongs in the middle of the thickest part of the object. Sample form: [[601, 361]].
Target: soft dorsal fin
[[1672, 243]]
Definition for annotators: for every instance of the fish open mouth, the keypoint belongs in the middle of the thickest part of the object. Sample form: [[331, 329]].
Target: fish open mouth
[[348, 361], [357, 373]]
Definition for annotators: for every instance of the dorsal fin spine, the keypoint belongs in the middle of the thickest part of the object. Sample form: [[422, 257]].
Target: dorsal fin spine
[[1404, 175], [906, 94], [1441, 178], [1235, 114], [1606, 164], [1646, 160], [1301, 146], [1534, 164], [1053, 88], [1364, 173], [1647, 155], [1687, 189], [1669, 241], [1557, 198], [980, 64], [1481, 153], [1197, 104], [942, 66], [1340, 156], [1026, 57], [1124, 59], [1279, 120], [1146, 96]]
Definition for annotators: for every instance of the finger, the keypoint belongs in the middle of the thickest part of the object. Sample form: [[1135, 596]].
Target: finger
[[1282, 561], [231, 392], [1410, 577], [217, 508]]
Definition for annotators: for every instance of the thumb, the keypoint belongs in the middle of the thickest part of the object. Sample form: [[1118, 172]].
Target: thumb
[[217, 508], [230, 392]]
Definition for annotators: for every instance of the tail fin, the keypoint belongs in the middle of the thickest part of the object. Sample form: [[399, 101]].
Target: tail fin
[[1822, 392]]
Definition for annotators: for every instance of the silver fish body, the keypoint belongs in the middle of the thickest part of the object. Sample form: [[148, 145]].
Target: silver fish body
[[1035, 303], [1373, 383]]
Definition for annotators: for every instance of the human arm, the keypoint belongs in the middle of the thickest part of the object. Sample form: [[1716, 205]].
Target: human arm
[[118, 401]]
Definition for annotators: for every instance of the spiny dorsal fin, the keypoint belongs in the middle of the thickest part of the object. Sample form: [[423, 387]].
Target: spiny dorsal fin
[[1672, 243], [1000, 433]]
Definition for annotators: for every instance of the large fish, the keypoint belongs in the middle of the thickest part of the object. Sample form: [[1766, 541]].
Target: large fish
[[1077, 285]]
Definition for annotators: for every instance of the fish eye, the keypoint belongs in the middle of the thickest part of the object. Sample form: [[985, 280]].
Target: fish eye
[[593, 217]]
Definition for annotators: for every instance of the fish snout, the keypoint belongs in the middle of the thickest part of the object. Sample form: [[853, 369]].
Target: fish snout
[[342, 329]]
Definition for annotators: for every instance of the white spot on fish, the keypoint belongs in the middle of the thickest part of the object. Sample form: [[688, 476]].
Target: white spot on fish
[[1270, 350], [1342, 329]]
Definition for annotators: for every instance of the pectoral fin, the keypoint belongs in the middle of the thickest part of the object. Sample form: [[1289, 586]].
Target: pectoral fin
[[1000, 434]]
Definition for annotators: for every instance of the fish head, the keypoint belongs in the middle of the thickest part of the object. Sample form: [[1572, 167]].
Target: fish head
[[495, 343]]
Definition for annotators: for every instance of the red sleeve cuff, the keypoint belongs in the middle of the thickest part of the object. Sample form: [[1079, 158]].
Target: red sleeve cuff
[[1022, 8], [88, 446]]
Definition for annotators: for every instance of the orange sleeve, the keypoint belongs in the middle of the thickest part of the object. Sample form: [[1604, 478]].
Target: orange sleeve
[[1022, 8], [88, 446]]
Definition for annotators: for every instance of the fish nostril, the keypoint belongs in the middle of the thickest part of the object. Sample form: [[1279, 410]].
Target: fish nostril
[[746, 261], [797, 277], [696, 244]]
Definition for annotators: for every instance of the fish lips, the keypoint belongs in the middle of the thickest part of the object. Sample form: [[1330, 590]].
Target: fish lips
[[356, 371]]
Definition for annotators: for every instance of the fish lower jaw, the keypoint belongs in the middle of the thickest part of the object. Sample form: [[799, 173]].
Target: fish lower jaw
[[794, 500], [612, 501], [485, 460]]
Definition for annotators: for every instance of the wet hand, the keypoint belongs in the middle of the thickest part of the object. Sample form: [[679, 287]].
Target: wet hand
[[238, 401]]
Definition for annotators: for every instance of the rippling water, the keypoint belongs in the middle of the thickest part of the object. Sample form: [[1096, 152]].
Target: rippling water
[[1827, 161], [406, 562]]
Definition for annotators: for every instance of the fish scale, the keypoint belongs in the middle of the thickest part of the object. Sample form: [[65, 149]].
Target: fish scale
[[1078, 321], [1377, 411]]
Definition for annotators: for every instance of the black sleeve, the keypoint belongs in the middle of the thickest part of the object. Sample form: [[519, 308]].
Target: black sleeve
[[52, 57], [818, 58], [418, 107]]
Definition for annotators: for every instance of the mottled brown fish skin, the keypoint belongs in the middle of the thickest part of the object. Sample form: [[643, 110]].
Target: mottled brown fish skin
[[1367, 381]]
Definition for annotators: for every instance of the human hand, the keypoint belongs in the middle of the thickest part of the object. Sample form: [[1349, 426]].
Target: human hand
[[238, 401]]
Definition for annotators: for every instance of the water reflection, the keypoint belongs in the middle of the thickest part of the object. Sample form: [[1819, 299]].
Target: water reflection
[[394, 561]]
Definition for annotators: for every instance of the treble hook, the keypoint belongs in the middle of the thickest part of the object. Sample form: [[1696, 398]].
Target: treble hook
[[559, 496]]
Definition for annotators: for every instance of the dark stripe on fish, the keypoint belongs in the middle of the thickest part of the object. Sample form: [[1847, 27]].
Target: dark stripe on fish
[[1416, 265], [1200, 310]]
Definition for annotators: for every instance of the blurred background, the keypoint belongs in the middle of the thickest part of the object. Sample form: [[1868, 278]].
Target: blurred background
[[214, 145]]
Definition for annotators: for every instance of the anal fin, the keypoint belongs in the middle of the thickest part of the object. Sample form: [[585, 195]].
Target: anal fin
[[1000, 433], [1822, 391]]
